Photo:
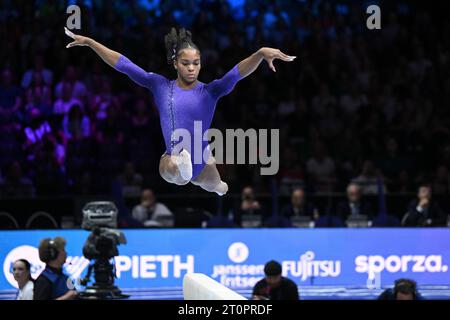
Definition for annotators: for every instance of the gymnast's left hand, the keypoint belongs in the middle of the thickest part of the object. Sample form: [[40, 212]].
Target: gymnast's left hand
[[270, 54], [79, 40]]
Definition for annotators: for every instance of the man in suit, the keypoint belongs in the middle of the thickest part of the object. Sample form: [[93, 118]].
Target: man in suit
[[424, 211], [299, 206], [354, 205]]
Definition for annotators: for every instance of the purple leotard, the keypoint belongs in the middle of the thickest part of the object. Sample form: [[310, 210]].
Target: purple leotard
[[179, 108]]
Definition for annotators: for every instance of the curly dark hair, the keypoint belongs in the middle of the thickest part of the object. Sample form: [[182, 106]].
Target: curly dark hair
[[177, 41]]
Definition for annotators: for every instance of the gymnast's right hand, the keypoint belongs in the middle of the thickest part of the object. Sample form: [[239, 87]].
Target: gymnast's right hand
[[79, 40]]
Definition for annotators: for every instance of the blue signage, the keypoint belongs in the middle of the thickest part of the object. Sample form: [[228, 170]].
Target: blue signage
[[236, 257]]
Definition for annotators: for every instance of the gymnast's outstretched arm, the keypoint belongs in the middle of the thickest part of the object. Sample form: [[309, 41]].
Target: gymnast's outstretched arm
[[117, 61], [109, 56], [220, 87], [248, 65]]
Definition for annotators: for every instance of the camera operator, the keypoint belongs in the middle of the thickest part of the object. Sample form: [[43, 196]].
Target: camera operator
[[404, 289], [52, 282], [100, 247]]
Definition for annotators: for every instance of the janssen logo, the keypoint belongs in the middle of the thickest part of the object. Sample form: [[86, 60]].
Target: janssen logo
[[238, 252], [405, 263], [241, 275], [74, 265], [238, 274]]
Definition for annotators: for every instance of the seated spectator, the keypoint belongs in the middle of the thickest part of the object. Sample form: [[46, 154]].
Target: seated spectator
[[15, 183], [11, 141], [441, 183], [22, 274], [66, 101], [323, 99], [38, 96], [102, 100], [392, 161], [76, 125], [38, 127], [321, 169], [38, 69], [131, 181], [291, 172], [403, 183], [274, 286], [140, 122], [52, 282], [149, 210], [85, 185], [248, 205], [424, 211], [368, 179], [78, 87], [351, 102], [331, 125], [41, 89], [286, 107], [47, 167], [299, 206], [110, 136], [37, 133], [404, 289], [111, 129], [30, 104], [354, 205], [10, 99]]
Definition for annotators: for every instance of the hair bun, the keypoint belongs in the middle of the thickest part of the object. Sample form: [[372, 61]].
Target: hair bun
[[175, 41]]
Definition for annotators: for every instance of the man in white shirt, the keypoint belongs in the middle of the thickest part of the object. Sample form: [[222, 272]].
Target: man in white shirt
[[47, 75], [321, 168], [79, 89], [152, 213], [66, 101]]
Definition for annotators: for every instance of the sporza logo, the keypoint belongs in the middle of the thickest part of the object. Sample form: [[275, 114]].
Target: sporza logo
[[407, 263]]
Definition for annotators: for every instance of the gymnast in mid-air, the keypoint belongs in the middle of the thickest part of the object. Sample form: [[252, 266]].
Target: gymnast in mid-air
[[184, 100]]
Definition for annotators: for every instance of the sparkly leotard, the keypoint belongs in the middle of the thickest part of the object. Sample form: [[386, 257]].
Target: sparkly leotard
[[179, 108]]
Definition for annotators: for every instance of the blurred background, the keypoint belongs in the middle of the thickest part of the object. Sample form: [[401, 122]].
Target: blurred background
[[363, 114]]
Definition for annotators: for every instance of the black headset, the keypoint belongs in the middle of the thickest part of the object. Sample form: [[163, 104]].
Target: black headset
[[409, 285], [53, 251]]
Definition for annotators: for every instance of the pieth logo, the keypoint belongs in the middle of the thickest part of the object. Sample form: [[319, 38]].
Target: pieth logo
[[238, 252]]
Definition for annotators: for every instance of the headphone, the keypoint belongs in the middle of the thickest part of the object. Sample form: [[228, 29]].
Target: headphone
[[53, 251], [409, 285]]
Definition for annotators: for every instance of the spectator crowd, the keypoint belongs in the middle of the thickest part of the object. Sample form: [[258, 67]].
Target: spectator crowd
[[359, 110]]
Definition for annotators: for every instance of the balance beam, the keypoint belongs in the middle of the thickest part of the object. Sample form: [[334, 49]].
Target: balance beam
[[197, 286]]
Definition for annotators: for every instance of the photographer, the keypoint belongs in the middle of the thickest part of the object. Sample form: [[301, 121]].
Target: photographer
[[404, 289], [249, 205], [52, 282], [274, 286]]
